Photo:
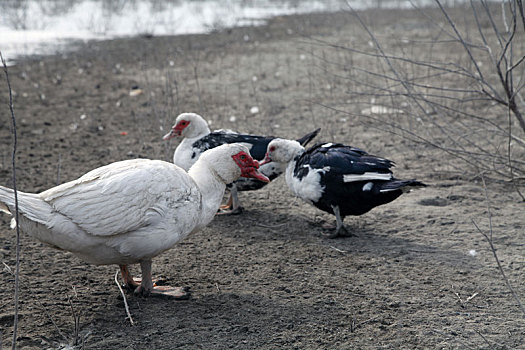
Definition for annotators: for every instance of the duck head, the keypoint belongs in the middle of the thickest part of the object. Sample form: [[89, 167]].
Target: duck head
[[231, 161], [188, 125], [282, 151]]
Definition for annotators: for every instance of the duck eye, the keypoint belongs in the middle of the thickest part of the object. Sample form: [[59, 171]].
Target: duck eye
[[272, 149], [243, 157]]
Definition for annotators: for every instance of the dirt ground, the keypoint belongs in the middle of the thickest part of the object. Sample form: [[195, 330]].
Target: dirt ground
[[417, 274]]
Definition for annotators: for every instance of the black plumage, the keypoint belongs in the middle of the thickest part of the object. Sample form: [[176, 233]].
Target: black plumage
[[341, 180], [349, 196], [219, 137]]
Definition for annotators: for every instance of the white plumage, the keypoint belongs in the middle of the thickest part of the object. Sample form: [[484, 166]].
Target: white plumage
[[366, 176], [309, 188], [131, 211]]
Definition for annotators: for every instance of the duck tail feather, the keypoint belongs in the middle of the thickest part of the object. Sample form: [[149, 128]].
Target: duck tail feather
[[404, 185], [29, 204], [308, 137]]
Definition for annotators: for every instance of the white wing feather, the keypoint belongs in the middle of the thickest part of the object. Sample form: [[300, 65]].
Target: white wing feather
[[122, 196], [366, 177]]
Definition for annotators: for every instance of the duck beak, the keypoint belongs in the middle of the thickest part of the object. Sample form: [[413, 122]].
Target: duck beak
[[254, 173], [265, 160], [169, 135], [173, 133], [252, 170]]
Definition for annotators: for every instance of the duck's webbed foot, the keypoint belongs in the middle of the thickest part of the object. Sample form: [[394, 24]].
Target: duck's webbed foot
[[233, 206], [228, 204], [148, 289], [129, 281], [178, 293], [340, 230], [230, 211], [167, 292]]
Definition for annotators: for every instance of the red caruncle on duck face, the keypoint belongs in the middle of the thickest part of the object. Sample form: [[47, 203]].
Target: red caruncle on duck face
[[181, 125], [176, 130], [249, 166]]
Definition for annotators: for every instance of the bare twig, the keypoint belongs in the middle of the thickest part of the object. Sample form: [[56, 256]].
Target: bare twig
[[338, 250], [59, 168], [488, 238], [454, 105], [268, 226], [485, 339], [471, 297], [76, 322], [355, 324], [124, 298], [17, 269], [512, 177], [468, 50], [37, 299], [196, 61], [461, 301]]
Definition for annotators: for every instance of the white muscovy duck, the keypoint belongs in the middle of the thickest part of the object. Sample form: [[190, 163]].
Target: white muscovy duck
[[338, 179], [131, 211], [198, 138]]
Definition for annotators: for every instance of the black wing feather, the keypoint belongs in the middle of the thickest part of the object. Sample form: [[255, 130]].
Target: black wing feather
[[217, 138], [342, 160], [259, 143]]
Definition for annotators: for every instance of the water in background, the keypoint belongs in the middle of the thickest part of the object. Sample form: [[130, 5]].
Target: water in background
[[29, 27]]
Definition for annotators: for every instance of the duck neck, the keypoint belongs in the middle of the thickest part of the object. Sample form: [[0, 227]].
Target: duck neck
[[291, 166], [289, 171], [212, 189], [202, 130], [184, 155]]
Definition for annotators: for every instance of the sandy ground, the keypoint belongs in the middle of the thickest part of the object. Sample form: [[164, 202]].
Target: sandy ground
[[417, 275]]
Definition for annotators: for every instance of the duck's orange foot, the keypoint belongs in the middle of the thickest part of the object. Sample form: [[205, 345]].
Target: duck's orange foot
[[165, 292], [131, 285], [229, 211], [225, 206], [157, 281], [135, 282]]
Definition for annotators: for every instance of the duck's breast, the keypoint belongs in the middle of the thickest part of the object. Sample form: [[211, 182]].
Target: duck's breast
[[305, 181]]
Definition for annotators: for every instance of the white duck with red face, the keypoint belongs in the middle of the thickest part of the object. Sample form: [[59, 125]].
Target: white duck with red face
[[191, 128], [131, 211], [197, 138]]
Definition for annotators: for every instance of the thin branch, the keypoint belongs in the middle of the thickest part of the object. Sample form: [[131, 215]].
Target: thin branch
[[520, 61], [37, 299], [17, 268], [76, 322], [512, 177], [467, 49], [488, 238], [436, 94], [485, 339], [124, 298], [415, 137], [506, 79], [522, 12]]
